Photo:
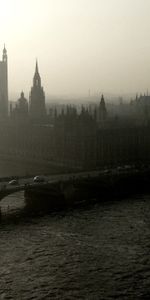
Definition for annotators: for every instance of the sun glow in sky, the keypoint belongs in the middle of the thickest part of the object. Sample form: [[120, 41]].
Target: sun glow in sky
[[80, 44]]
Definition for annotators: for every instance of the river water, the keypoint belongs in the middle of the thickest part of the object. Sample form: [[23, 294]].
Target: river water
[[98, 252]]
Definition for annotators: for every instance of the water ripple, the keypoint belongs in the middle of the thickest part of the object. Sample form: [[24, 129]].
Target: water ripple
[[101, 252]]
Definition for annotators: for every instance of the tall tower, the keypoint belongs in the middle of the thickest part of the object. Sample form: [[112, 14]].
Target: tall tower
[[37, 110], [3, 85], [102, 112], [102, 109]]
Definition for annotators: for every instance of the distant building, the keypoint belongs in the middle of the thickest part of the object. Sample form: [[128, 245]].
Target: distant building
[[140, 107], [23, 105], [101, 114], [20, 112], [3, 86], [37, 109], [143, 100]]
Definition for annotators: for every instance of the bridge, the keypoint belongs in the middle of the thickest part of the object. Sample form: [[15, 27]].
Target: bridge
[[7, 189]]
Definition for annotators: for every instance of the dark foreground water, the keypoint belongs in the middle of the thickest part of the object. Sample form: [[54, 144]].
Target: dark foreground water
[[99, 252]]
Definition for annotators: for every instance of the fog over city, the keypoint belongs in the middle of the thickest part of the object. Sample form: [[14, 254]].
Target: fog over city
[[75, 149], [103, 45]]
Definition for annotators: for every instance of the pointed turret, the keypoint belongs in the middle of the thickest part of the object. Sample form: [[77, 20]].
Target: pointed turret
[[36, 67], [4, 54], [3, 85], [36, 78], [37, 109], [102, 110], [102, 100]]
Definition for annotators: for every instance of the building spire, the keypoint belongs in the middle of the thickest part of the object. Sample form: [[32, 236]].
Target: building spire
[[37, 109], [102, 109], [4, 54], [36, 67], [36, 78], [102, 99]]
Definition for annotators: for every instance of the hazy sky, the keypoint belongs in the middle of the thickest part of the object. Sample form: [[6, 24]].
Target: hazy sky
[[80, 44]]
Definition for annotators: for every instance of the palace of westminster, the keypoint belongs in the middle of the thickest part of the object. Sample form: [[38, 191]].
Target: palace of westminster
[[96, 136]]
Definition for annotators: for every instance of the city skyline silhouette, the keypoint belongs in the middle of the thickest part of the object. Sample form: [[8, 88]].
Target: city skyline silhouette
[[101, 45]]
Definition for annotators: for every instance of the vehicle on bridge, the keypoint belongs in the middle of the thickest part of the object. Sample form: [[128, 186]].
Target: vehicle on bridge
[[39, 179], [13, 182]]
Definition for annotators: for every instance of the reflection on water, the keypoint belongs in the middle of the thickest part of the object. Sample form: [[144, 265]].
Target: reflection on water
[[99, 252]]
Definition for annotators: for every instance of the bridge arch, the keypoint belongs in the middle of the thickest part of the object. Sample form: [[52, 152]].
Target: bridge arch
[[8, 191]]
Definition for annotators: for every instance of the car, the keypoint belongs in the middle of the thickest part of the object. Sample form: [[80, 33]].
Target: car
[[39, 179], [13, 182]]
